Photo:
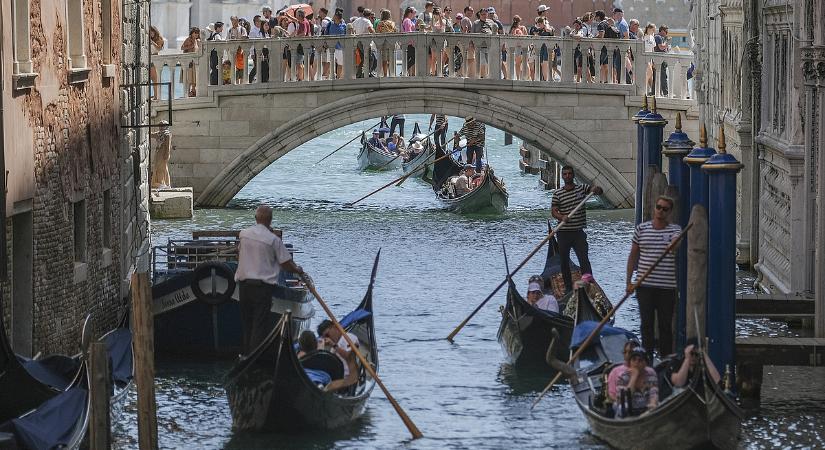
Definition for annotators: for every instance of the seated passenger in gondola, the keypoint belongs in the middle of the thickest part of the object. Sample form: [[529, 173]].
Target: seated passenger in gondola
[[392, 145], [376, 142], [415, 149], [684, 368], [616, 372], [477, 180], [463, 183], [307, 343], [335, 343], [538, 299], [638, 387]]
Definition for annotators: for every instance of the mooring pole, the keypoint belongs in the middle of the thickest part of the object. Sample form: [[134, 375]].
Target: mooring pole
[[144, 345], [721, 320], [653, 126], [99, 390], [640, 159], [677, 146]]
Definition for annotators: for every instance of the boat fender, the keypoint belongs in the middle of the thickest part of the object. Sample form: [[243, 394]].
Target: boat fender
[[209, 269]]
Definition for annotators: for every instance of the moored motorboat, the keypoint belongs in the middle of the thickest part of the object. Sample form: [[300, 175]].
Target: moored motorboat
[[488, 197], [195, 297], [700, 415], [272, 389]]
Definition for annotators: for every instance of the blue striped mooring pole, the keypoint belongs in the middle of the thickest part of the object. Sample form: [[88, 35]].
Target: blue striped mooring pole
[[721, 170], [677, 146], [640, 158]]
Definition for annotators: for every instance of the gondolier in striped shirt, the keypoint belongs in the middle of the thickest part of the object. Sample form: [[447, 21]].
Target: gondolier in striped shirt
[[475, 133], [657, 293], [571, 235], [261, 256]]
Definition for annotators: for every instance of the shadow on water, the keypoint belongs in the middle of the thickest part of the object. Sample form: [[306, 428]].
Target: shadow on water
[[525, 380], [301, 439]]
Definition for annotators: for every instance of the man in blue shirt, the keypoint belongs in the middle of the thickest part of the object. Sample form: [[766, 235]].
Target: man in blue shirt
[[621, 24], [338, 27]]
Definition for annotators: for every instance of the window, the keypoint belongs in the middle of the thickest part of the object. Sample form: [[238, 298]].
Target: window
[[77, 52], [107, 218], [79, 208], [22, 38]]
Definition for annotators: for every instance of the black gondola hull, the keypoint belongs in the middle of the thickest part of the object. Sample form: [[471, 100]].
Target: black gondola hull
[[686, 421], [268, 390]]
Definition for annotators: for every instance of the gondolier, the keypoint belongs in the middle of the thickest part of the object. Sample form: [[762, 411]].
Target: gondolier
[[571, 235], [476, 135], [261, 256], [657, 293]]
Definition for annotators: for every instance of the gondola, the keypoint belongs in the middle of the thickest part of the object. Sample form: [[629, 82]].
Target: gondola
[[699, 416], [426, 156], [554, 282], [44, 403], [371, 158], [195, 297], [489, 197], [527, 333], [271, 390]]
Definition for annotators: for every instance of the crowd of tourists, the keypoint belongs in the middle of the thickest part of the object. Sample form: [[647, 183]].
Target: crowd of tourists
[[591, 62]]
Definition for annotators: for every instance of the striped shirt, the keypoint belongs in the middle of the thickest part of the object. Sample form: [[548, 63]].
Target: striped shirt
[[440, 121], [652, 243], [475, 132], [565, 200]]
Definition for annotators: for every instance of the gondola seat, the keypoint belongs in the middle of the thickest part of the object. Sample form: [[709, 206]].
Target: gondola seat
[[326, 362]]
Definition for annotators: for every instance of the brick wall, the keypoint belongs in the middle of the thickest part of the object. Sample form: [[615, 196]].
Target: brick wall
[[80, 151]]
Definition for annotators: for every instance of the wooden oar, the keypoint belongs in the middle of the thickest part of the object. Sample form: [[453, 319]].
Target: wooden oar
[[366, 364], [388, 162], [348, 142], [610, 314], [400, 179], [518, 267]]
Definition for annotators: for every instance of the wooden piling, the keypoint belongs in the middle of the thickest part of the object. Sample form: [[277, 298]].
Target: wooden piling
[[144, 346], [697, 273], [100, 392], [655, 186], [508, 139]]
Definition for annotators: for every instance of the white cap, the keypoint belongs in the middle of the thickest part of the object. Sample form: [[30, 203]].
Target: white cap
[[534, 286], [542, 8]]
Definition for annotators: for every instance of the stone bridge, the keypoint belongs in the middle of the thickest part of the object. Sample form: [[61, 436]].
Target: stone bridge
[[225, 134]]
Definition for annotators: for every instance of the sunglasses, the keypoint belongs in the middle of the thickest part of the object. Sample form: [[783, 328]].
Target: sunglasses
[[663, 208]]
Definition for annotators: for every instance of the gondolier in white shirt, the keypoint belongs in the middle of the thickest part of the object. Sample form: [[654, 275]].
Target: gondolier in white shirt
[[262, 256]]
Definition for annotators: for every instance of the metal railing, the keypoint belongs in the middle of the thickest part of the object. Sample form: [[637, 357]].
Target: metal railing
[[528, 60]]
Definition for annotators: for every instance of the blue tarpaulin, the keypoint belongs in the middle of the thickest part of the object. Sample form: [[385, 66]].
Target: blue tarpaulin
[[318, 376], [119, 346], [584, 329], [354, 316], [53, 423], [45, 375]]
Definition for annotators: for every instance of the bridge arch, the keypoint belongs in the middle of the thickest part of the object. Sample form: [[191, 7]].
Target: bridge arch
[[546, 134]]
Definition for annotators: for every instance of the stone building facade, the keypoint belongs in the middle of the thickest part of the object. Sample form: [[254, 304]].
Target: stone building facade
[[761, 72], [76, 201]]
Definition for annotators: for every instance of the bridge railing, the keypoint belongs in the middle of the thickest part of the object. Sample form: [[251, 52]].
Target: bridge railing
[[532, 60]]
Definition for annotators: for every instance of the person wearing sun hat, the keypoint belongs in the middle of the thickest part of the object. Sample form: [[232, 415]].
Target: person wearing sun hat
[[538, 299], [638, 386]]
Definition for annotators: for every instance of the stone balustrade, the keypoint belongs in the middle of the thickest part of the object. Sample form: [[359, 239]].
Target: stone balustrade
[[531, 61]]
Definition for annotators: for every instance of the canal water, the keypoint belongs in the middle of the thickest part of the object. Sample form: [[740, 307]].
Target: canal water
[[435, 268]]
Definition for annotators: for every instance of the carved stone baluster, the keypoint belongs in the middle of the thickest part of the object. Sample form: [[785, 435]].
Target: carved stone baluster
[[201, 71]]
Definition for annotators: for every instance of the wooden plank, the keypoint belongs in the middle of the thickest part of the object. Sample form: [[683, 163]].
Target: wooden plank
[[100, 388], [776, 307], [787, 351], [144, 347]]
